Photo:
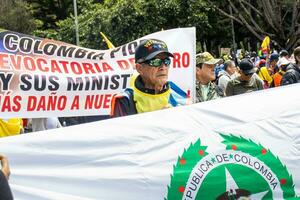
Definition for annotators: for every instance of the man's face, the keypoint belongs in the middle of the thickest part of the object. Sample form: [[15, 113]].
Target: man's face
[[273, 63], [244, 76], [231, 69], [206, 73], [154, 75]]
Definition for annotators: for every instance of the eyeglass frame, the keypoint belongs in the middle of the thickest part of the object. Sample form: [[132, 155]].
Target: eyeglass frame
[[166, 61]]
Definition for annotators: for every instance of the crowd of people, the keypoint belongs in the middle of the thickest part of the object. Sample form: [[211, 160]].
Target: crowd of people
[[217, 78], [151, 90]]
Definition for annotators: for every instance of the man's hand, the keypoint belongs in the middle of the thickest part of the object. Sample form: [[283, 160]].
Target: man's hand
[[5, 166]]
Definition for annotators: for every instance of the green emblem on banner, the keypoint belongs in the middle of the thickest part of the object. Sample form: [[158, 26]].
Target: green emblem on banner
[[244, 170]]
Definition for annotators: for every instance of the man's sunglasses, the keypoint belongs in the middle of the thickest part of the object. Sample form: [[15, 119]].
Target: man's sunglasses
[[157, 62], [249, 74]]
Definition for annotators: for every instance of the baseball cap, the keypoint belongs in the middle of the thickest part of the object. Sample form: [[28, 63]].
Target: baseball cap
[[274, 56], [150, 48], [262, 63], [283, 61], [206, 58], [247, 66], [283, 53]]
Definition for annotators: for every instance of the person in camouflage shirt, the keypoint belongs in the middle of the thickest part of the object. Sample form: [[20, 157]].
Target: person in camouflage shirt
[[206, 89]]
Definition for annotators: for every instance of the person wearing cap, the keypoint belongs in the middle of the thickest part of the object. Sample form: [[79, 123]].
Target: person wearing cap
[[272, 67], [151, 89], [5, 191], [282, 66], [284, 53], [246, 82], [292, 74], [206, 89]]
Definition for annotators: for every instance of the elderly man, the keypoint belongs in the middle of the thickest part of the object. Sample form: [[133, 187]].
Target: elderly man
[[206, 89], [227, 74], [151, 90]]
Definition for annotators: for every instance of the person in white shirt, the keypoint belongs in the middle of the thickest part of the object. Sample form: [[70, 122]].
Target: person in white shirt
[[229, 72]]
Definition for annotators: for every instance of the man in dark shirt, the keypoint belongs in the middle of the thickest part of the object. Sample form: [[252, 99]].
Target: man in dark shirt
[[246, 82], [292, 74]]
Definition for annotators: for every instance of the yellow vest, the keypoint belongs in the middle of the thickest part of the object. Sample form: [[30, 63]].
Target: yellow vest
[[10, 127], [150, 102]]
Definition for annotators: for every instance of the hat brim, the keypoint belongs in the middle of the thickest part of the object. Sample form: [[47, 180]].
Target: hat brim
[[212, 61], [153, 54], [251, 71]]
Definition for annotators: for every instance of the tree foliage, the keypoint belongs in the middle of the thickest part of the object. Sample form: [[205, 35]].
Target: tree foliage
[[48, 12], [278, 19], [126, 20], [16, 16]]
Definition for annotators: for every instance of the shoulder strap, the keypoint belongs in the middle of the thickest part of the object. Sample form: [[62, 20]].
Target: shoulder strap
[[129, 93], [219, 91], [123, 104]]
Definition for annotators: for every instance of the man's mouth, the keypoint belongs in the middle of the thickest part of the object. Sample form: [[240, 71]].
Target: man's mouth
[[161, 75]]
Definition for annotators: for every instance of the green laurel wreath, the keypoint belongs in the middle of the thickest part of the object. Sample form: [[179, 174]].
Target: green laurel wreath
[[183, 168], [196, 152], [267, 157]]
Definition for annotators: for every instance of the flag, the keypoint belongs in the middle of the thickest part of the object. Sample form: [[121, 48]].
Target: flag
[[108, 42], [265, 45], [230, 148]]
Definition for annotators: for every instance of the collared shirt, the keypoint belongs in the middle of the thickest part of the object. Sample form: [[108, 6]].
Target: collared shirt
[[207, 92]]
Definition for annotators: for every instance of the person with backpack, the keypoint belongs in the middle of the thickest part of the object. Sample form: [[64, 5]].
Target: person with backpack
[[292, 74], [282, 66], [227, 74]]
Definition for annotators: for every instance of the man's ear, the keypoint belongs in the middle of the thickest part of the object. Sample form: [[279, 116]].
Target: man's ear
[[138, 67]]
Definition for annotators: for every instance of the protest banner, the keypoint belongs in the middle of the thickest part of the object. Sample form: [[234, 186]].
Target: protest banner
[[230, 148], [44, 78]]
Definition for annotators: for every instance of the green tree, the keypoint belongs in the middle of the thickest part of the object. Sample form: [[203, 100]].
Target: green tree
[[278, 19], [16, 16], [48, 12], [123, 21]]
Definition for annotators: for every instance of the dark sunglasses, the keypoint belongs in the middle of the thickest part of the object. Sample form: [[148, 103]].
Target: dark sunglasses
[[157, 62], [250, 74]]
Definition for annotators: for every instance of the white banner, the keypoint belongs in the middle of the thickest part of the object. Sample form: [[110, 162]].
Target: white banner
[[230, 148], [42, 77]]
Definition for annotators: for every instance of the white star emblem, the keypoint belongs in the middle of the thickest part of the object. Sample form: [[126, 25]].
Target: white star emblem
[[231, 188]]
